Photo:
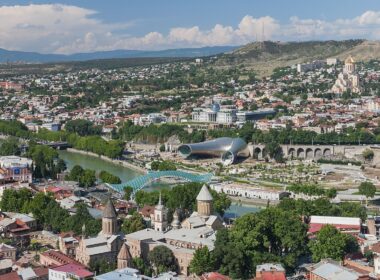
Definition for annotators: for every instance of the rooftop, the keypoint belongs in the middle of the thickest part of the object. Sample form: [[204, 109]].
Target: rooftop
[[74, 269], [204, 194], [109, 211]]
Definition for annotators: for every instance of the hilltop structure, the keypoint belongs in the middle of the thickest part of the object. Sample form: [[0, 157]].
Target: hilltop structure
[[348, 80]]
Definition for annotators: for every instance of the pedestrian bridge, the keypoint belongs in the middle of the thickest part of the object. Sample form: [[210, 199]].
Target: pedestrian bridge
[[140, 182]]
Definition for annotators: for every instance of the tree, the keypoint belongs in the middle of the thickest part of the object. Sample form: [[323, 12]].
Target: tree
[[133, 223], [45, 161], [107, 177], [271, 235], [82, 127], [162, 259], [275, 151], [141, 266], [368, 189], [128, 191], [101, 266], [368, 154], [10, 147], [331, 243], [88, 179], [202, 261]]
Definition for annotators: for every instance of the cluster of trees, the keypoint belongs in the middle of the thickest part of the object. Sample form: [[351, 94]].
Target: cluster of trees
[[183, 197], [85, 177], [158, 133], [163, 165], [14, 128], [277, 234], [133, 223], [97, 145], [288, 135], [10, 146], [331, 243], [82, 127], [271, 235], [92, 143], [162, 259], [48, 212], [107, 177], [46, 163], [323, 207], [312, 190]]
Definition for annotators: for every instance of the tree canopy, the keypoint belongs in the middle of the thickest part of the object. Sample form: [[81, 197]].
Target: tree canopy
[[331, 243], [162, 259]]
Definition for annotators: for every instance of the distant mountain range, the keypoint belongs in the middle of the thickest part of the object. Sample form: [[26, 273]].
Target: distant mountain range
[[34, 57]]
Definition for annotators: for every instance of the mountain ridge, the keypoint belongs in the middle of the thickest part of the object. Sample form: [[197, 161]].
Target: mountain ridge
[[35, 57], [264, 57]]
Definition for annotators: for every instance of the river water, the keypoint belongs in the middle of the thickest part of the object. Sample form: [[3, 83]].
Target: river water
[[126, 174]]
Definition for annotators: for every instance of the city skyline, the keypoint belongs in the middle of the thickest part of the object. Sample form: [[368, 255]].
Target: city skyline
[[85, 26]]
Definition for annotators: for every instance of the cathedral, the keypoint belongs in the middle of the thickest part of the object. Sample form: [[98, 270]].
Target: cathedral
[[348, 80], [182, 238]]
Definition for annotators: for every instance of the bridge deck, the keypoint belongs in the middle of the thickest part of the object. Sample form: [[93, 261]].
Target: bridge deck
[[140, 182]]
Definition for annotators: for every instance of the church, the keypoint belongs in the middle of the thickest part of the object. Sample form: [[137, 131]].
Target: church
[[106, 245], [348, 80], [182, 239]]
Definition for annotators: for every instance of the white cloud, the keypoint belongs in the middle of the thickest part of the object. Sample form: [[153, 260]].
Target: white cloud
[[62, 28]]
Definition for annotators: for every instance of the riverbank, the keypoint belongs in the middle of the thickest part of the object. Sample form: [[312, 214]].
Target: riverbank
[[114, 161]]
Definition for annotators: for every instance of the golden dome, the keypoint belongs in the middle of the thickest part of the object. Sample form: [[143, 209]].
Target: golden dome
[[349, 60]]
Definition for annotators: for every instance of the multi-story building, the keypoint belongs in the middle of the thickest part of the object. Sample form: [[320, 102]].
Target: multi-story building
[[14, 168]]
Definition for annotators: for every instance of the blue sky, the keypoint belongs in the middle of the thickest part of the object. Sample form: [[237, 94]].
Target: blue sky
[[69, 26]]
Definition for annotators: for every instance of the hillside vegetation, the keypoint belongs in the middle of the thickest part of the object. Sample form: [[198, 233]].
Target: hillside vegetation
[[263, 57]]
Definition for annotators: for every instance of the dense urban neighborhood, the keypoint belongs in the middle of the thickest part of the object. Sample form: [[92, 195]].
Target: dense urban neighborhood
[[259, 161]]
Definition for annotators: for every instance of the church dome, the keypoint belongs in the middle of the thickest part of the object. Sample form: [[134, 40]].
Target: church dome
[[109, 211], [204, 194], [349, 60]]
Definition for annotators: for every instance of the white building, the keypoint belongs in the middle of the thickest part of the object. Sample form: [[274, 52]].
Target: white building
[[305, 67], [70, 271], [331, 61], [222, 116], [248, 192]]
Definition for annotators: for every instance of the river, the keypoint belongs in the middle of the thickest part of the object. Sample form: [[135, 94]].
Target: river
[[126, 174]]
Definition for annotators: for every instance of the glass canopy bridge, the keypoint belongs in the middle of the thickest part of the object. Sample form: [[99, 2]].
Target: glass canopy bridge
[[140, 182]]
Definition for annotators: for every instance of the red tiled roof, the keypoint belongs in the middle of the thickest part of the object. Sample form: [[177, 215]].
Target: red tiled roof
[[41, 271], [74, 269], [10, 276], [314, 227], [147, 210], [272, 275], [59, 257]]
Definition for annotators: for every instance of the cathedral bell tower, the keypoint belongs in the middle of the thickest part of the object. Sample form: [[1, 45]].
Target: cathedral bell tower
[[160, 216], [204, 202], [109, 219]]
